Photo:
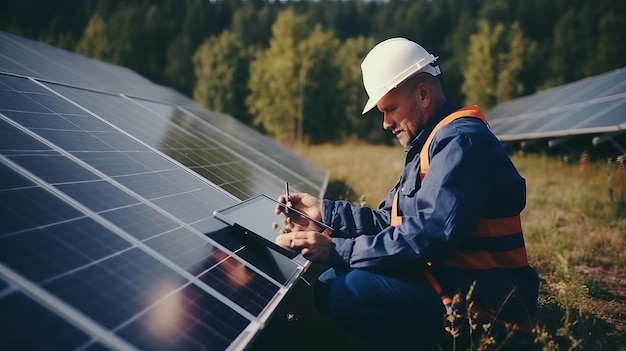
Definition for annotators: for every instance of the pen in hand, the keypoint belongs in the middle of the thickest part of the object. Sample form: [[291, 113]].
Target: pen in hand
[[321, 227], [288, 204]]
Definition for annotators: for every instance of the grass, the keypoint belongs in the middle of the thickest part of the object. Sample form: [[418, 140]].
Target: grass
[[575, 230]]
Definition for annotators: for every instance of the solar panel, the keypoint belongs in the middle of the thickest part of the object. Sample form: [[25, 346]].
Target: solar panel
[[27, 58], [32, 59], [48, 331], [311, 179], [591, 105], [85, 272], [240, 171], [106, 229]]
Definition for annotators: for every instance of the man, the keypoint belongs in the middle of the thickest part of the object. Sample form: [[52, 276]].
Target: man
[[449, 226]]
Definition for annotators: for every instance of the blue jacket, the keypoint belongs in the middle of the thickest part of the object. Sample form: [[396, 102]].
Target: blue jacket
[[471, 177]]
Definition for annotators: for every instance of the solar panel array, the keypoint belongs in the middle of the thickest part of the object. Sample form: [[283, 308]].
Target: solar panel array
[[108, 185], [591, 106]]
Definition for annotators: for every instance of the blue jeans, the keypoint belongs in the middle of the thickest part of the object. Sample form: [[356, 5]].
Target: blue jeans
[[392, 312]]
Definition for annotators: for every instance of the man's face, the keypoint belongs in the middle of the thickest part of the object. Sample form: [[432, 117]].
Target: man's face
[[401, 114]]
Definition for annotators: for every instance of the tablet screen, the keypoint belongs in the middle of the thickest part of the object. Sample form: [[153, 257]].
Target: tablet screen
[[255, 217]]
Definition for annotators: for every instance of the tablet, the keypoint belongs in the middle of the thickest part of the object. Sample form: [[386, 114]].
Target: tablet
[[254, 218]]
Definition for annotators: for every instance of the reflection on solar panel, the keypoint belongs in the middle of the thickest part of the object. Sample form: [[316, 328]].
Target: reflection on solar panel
[[107, 239], [592, 107]]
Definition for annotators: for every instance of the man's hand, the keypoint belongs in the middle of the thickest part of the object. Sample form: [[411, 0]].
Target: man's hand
[[313, 245], [305, 203]]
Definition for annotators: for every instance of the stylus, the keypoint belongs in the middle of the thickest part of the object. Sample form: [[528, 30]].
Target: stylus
[[287, 191]]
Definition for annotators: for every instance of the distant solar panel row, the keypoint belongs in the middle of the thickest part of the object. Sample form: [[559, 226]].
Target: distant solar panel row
[[592, 105], [107, 239]]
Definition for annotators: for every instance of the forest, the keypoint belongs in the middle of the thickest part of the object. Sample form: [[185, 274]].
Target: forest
[[292, 68]]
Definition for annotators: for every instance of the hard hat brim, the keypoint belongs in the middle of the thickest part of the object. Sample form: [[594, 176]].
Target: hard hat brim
[[373, 100]]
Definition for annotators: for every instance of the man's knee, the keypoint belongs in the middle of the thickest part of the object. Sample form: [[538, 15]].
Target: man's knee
[[392, 311], [351, 293]]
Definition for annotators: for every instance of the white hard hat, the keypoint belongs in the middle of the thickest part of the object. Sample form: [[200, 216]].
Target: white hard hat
[[390, 63]]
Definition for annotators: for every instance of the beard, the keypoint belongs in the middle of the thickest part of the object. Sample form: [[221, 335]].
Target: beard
[[404, 138], [413, 125]]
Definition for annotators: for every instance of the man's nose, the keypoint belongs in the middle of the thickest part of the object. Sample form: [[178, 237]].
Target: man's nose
[[387, 122]]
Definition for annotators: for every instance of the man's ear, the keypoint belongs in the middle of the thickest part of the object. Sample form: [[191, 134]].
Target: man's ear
[[422, 94]]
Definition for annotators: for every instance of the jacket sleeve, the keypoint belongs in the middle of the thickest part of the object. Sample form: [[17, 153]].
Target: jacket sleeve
[[446, 207], [351, 221]]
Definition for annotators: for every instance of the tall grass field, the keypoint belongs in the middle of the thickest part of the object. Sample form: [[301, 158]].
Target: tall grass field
[[575, 231]]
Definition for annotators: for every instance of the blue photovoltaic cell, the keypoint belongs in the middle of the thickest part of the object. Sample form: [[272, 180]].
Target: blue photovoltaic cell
[[530, 125], [58, 247], [571, 119], [556, 97], [27, 325], [12, 143], [26, 208], [44, 166], [185, 249], [239, 284], [140, 220], [185, 320], [134, 281], [502, 125], [10, 178], [98, 195], [96, 347], [615, 116], [508, 109], [115, 163], [311, 178], [605, 85]]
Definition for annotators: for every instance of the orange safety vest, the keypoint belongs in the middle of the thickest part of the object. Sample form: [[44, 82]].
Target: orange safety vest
[[486, 228]]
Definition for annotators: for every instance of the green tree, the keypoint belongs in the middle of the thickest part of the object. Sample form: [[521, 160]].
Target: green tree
[[321, 117], [349, 58], [94, 42], [125, 26], [515, 53], [221, 67], [192, 27], [285, 79], [495, 64], [275, 78], [253, 23], [479, 84], [179, 71], [573, 45], [140, 41], [454, 56], [611, 52]]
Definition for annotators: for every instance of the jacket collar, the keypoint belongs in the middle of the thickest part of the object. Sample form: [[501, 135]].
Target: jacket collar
[[447, 108]]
